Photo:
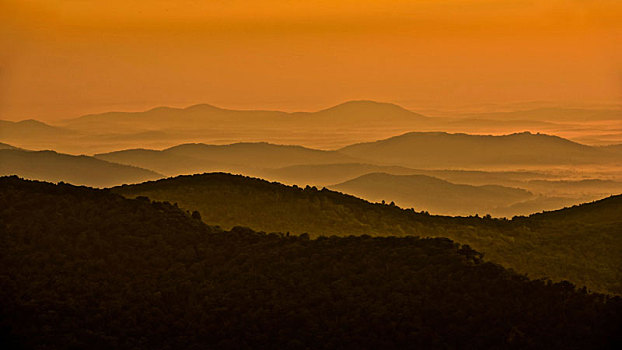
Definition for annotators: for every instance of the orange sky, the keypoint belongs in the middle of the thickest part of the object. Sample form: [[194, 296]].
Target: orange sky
[[61, 59]]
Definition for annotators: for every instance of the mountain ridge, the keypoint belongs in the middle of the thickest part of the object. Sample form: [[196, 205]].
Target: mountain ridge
[[241, 155], [333, 127], [80, 170], [432, 194], [86, 268], [586, 254], [442, 149]]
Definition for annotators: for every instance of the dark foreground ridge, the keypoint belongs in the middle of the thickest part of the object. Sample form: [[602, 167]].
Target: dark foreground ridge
[[582, 244], [86, 268]]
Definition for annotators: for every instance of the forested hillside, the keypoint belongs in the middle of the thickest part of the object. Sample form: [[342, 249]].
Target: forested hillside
[[587, 254], [84, 268]]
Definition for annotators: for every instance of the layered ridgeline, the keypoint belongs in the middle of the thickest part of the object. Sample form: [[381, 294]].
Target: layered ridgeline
[[431, 194], [403, 154], [585, 253], [337, 126], [193, 158], [301, 166], [492, 160], [30, 129], [439, 149], [551, 190], [85, 268], [329, 174], [81, 170], [553, 114]]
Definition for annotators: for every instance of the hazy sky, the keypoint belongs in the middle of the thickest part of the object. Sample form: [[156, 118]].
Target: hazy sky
[[60, 59]]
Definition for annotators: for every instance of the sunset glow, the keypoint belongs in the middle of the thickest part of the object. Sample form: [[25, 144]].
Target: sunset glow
[[62, 59]]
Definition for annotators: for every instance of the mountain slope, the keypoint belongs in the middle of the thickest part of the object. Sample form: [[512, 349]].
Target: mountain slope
[[193, 158], [362, 113], [349, 114], [161, 161], [100, 271], [436, 149], [32, 134], [607, 211], [200, 116], [432, 194], [29, 129], [259, 154], [555, 114], [586, 255], [6, 146], [576, 186], [331, 128], [79, 170], [328, 174]]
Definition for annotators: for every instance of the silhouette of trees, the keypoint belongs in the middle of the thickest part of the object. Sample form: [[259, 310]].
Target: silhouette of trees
[[85, 268], [581, 245]]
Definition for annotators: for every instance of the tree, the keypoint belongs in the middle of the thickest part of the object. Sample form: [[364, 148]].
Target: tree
[[196, 215]]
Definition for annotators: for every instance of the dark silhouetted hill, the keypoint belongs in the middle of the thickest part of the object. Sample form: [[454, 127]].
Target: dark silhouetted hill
[[607, 211], [88, 269], [584, 254]]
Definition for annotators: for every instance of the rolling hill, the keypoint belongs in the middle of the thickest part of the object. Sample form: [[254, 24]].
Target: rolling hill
[[444, 150], [79, 170], [607, 211], [33, 134], [353, 121], [617, 149], [6, 146], [331, 128], [85, 268], [350, 114], [362, 113], [425, 193], [193, 158], [29, 129], [576, 186], [554, 114], [328, 174], [587, 255]]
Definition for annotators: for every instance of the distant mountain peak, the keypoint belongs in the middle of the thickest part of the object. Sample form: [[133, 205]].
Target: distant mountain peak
[[522, 134], [202, 107], [366, 105], [30, 121], [27, 123], [159, 109]]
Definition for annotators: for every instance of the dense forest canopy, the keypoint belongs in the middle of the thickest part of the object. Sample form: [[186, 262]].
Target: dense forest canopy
[[586, 250], [86, 268]]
